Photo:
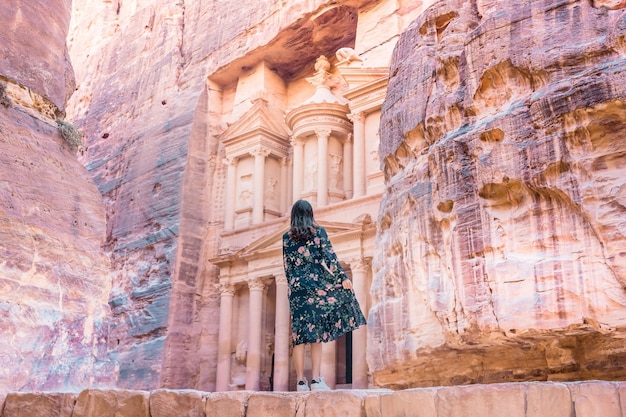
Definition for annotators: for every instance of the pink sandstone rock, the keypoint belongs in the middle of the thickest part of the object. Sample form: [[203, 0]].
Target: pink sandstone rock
[[347, 403], [97, 402], [39, 404], [405, 402], [173, 403], [499, 253], [548, 399], [275, 404], [227, 404], [530, 399], [500, 249], [54, 275], [33, 52], [595, 398]]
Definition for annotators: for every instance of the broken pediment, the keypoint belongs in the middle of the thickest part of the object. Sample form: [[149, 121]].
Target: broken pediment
[[259, 124]]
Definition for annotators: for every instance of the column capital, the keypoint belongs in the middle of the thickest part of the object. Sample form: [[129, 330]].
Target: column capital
[[296, 141], [356, 117], [360, 264], [256, 284], [323, 132], [348, 138], [227, 289], [230, 160], [260, 151], [281, 279]]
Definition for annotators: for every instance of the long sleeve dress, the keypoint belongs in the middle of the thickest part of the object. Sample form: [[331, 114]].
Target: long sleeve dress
[[321, 309]]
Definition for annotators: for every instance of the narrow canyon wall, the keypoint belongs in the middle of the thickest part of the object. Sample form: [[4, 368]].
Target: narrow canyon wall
[[500, 249], [54, 281]]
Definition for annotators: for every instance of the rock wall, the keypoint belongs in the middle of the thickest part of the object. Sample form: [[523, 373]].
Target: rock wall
[[500, 249], [54, 281], [151, 122], [584, 399]]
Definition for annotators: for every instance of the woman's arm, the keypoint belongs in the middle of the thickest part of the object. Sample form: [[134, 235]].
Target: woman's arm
[[331, 261]]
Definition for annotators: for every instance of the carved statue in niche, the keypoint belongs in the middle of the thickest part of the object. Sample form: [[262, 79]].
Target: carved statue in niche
[[238, 367], [241, 352], [373, 151], [347, 55], [245, 195], [310, 176], [269, 344], [270, 190], [334, 171]]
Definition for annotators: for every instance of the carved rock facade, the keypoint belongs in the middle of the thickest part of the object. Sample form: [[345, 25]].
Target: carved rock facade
[[500, 248], [219, 116]]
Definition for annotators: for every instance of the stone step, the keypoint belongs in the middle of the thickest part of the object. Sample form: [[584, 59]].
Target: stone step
[[525, 399]]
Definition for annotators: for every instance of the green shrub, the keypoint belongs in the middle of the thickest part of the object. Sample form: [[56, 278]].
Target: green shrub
[[70, 134]]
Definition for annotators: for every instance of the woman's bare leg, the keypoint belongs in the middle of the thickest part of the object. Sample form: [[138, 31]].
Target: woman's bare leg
[[316, 360], [298, 361]]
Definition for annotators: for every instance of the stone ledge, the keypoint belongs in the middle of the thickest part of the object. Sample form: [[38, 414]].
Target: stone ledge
[[525, 399]]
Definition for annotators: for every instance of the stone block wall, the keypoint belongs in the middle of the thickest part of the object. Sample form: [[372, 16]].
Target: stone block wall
[[535, 399]]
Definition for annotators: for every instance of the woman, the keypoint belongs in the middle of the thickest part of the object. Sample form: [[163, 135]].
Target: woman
[[321, 300]]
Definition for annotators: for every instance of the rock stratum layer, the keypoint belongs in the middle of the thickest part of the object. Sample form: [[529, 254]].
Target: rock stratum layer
[[542, 399], [500, 250], [54, 275]]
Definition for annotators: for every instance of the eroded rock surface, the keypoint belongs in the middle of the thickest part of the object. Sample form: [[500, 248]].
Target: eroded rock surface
[[500, 251], [54, 274]]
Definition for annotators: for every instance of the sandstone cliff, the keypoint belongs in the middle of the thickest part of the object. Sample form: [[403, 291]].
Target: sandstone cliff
[[144, 103], [499, 243], [54, 275], [501, 235]]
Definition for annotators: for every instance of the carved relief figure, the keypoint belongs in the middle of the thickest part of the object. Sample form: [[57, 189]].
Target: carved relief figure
[[270, 190], [310, 176], [334, 173], [245, 195], [346, 55], [241, 352]]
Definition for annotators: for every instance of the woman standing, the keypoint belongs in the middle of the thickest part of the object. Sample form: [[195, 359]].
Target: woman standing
[[322, 304]]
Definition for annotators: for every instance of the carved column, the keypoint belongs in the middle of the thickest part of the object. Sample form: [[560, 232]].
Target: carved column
[[358, 120], [282, 332], [347, 167], [259, 184], [360, 268], [230, 195], [227, 292], [322, 166], [289, 185], [283, 185], [255, 323], [298, 168], [329, 363]]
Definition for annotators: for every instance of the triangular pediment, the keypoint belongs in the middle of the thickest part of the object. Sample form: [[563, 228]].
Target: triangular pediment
[[260, 119], [274, 240]]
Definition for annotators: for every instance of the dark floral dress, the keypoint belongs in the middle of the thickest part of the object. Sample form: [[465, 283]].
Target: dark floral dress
[[321, 309]]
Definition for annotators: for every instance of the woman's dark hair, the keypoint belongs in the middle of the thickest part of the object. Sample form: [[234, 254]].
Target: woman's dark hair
[[303, 225]]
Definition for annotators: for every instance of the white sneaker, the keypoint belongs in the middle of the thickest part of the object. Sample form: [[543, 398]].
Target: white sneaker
[[303, 385], [319, 385]]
